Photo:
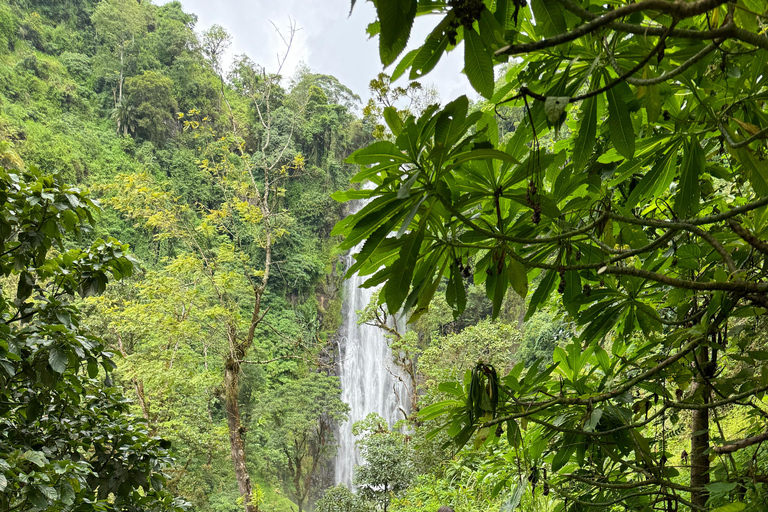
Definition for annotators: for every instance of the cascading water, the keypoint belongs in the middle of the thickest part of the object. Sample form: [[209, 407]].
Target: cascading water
[[369, 377]]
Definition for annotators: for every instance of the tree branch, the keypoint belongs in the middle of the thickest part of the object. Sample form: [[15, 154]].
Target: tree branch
[[679, 10], [645, 82], [738, 445]]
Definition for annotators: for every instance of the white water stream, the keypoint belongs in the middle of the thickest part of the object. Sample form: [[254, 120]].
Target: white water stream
[[367, 373]]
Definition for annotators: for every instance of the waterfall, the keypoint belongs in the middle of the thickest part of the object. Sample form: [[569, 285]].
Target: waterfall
[[367, 374]]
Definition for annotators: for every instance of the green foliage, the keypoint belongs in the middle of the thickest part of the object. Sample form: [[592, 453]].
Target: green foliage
[[149, 105], [77, 64], [92, 89], [649, 223], [543, 332], [67, 440], [448, 357], [118, 22], [7, 29], [340, 499], [302, 415], [388, 468]]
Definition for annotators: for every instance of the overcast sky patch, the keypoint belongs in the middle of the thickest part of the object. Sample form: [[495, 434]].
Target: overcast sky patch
[[329, 40]]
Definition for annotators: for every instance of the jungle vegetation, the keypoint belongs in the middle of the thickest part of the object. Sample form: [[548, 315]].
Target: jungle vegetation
[[579, 253]]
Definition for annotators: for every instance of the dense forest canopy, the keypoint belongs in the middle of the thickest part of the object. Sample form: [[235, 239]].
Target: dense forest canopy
[[634, 184], [219, 315], [568, 268]]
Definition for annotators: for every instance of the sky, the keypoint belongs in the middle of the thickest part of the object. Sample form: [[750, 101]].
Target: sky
[[330, 40]]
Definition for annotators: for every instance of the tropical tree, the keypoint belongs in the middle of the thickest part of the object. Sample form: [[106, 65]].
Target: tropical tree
[[232, 246], [149, 106], [387, 468], [340, 499], [67, 441], [124, 116], [302, 416], [216, 41], [649, 221], [117, 24]]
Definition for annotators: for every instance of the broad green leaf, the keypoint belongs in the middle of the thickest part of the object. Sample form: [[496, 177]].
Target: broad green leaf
[[405, 189], [731, 507], [378, 152], [455, 293], [393, 120], [564, 452], [478, 64], [93, 369], [720, 487], [396, 19], [399, 283], [546, 285], [371, 244], [502, 12], [437, 409], [58, 360], [37, 458], [428, 56], [490, 31], [511, 503], [449, 125], [549, 17], [514, 437], [482, 154], [404, 64], [755, 169], [572, 291], [585, 139], [409, 218], [593, 421], [491, 126], [657, 179], [622, 133], [518, 277], [688, 196]]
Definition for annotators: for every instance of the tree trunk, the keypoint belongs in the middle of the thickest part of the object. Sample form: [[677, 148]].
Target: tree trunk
[[139, 385], [120, 82], [237, 447], [700, 431]]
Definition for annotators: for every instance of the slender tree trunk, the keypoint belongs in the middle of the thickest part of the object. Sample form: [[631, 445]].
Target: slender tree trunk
[[700, 431], [237, 446], [229, 107], [139, 385], [120, 82]]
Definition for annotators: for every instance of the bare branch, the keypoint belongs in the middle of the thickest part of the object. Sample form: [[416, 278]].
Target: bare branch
[[738, 445]]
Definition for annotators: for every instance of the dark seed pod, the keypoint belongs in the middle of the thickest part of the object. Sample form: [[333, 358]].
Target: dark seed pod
[[587, 290], [561, 287], [499, 430]]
